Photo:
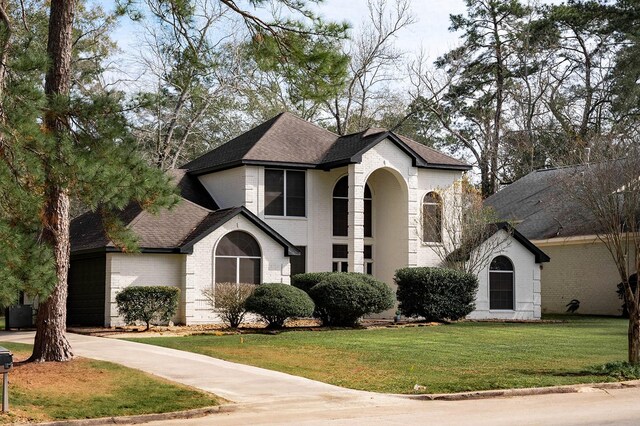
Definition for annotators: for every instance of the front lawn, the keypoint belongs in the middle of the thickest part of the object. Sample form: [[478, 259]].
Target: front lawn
[[85, 388], [447, 358]]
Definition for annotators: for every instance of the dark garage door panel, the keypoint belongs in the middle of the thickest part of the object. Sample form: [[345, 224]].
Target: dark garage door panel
[[85, 305]]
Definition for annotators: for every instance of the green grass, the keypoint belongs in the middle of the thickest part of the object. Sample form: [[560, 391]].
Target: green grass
[[85, 388], [447, 358]]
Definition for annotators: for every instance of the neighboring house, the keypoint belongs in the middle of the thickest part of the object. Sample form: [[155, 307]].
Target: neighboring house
[[541, 207], [283, 198]]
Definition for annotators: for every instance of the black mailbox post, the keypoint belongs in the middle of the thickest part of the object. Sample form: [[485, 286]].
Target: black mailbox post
[[6, 363]]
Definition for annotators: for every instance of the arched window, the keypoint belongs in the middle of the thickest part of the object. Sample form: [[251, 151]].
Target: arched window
[[432, 218], [501, 283], [238, 259], [341, 209]]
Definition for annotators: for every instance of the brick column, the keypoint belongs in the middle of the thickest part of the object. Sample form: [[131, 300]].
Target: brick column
[[356, 218]]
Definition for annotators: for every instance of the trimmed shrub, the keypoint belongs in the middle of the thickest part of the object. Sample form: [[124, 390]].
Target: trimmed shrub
[[228, 300], [342, 298], [149, 304], [437, 294], [306, 281], [275, 303]]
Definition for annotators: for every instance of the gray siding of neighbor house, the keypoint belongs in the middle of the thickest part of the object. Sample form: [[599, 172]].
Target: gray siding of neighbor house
[[580, 271], [86, 301]]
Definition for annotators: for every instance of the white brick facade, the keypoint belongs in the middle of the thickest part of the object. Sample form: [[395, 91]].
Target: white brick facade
[[398, 188]]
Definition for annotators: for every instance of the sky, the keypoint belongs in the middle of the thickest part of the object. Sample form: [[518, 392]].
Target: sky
[[430, 32]]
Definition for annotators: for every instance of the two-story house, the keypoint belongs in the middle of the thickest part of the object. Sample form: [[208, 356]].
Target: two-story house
[[283, 198]]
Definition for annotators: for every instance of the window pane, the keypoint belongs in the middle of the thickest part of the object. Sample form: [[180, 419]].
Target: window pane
[[368, 252], [500, 290], [334, 267], [295, 193], [431, 223], [340, 251], [340, 217], [431, 218], [274, 192], [370, 268], [368, 228], [238, 243], [226, 271], [249, 271], [299, 263], [342, 188], [345, 266], [501, 263]]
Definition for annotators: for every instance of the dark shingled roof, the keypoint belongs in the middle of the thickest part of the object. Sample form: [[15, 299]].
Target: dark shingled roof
[[491, 229], [173, 230], [539, 207], [289, 140]]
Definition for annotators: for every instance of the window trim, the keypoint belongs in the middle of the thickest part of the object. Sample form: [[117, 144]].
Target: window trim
[[284, 194], [513, 284]]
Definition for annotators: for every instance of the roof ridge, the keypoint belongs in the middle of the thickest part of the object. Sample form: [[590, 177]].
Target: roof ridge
[[308, 122]]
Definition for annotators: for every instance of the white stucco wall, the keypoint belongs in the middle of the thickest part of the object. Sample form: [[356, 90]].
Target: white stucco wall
[[526, 286], [200, 267], [227, 187], [124, 270]]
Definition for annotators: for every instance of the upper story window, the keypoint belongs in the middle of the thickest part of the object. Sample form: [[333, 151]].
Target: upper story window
[[284, 192], [432, 218], [341, 209]]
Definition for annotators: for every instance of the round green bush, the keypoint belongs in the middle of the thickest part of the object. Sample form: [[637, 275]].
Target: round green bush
[[342, 298], [148, 304], [275, 303], [437, 294], [306, 281]]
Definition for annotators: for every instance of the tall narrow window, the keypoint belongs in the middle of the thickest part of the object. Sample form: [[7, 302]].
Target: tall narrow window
[[238, 259], [501, 283], [299, 263], [340, 258], [284, 192], [341, 209], [368, 259], [368, 223], [432, 218]]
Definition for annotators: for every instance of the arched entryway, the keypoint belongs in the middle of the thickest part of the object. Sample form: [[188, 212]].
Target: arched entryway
[[387, 245]]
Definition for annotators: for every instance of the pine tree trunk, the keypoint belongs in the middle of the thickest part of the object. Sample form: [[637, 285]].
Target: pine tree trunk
[[634, 335], [51, 343]]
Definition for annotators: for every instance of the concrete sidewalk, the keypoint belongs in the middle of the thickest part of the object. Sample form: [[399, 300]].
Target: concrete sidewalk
[[235, 382]]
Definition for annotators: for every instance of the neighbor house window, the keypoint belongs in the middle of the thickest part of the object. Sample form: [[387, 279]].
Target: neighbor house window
[[341, 209], [431, 218], [299, 263], [340, 258], [501, 283], [238, 259], [284, 192], [368, 260]]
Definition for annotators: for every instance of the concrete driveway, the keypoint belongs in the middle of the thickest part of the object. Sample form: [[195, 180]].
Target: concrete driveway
[[269, 397]]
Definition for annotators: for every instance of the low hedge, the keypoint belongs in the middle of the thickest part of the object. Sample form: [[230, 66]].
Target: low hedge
[[342, 298], [275, 303], [437, 294], [149, 304]]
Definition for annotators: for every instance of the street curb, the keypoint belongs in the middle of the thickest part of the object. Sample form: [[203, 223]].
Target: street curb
[[506, 393], [144, 418]]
